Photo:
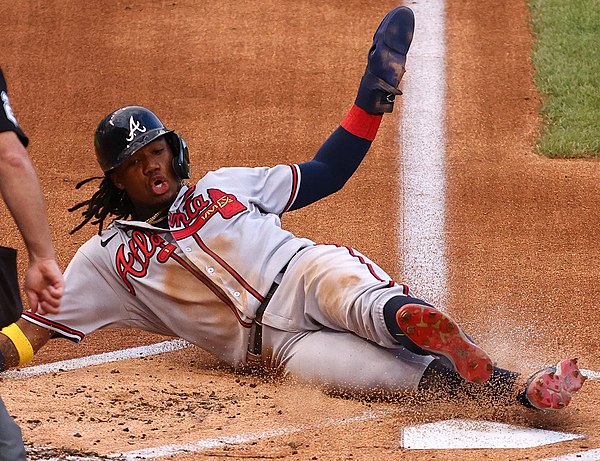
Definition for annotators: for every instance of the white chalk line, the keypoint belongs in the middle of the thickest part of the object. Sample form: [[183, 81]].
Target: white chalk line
[[589, 374], [98, 359], [423, 182], [72, 458], [217, 442]]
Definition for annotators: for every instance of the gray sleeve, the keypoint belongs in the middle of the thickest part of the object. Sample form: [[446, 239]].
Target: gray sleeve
[[90, 302]]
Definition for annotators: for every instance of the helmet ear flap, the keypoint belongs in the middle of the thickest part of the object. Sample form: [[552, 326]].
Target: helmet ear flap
[[181, 156]]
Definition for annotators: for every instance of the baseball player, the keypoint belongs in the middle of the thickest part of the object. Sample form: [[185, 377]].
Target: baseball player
[[209, 262], [43, 283]]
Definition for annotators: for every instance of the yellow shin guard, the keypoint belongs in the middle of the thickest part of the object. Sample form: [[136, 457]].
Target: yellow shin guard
[[21, 342]]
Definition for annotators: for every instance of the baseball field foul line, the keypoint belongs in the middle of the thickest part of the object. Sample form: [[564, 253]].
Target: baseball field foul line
[[168, 450], [98, 359], [216, 442], [423, 153]]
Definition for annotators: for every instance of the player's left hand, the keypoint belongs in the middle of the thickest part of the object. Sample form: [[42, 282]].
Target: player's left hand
[[44, 286]]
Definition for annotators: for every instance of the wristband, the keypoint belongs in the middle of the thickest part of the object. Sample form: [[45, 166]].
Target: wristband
[[21, 342], [362, 124]]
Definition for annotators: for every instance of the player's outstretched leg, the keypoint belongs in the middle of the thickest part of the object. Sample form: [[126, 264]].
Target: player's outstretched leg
[[423, 329], [385, 65], [552, 388]]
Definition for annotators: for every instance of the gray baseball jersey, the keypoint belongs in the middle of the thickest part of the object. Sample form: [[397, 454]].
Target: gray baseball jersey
[[204, 279]]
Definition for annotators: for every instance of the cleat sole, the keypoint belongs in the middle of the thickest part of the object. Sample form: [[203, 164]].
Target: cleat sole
[[553, 387], [437, 333]]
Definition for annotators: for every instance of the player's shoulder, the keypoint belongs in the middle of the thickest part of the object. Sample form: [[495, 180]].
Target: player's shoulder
[[107, 237], [240, 173], [214, 177], [102, 241], [88, 255]]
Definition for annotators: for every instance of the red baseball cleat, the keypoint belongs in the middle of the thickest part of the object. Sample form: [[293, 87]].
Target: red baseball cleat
[[435, 332], [552, 388]]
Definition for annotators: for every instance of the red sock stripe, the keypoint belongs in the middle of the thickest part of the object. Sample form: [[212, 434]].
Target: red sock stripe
[[361, 123]]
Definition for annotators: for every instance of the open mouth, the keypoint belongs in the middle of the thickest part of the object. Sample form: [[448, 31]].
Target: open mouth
[[159, 186]]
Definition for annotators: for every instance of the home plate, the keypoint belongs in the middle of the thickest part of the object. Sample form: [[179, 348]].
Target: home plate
[[462, 434]]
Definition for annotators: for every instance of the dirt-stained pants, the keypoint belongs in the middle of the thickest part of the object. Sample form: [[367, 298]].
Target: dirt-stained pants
[[325, 325]]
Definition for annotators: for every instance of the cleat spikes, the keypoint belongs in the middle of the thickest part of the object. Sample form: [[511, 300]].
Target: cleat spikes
[[434, 332], [553, 387]]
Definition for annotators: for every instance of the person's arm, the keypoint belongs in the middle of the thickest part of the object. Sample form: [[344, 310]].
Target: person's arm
[[20, 189], [94, 298], [29, 337], [338, 158]]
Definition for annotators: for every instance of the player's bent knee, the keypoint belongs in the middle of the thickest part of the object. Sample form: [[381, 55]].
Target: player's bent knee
[[21, 343]]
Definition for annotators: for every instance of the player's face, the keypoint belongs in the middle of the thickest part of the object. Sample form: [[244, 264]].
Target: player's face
[[148, 178]]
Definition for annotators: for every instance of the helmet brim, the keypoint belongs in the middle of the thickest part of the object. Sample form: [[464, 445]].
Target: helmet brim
[[139, 142]]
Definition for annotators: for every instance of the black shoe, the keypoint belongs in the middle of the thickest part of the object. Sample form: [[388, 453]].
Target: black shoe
[[385, 65]]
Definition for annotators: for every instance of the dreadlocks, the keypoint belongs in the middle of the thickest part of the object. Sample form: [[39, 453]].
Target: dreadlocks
[[107, 200]]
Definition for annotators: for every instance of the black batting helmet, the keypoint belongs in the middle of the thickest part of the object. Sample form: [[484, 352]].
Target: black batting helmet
[[126, 130]]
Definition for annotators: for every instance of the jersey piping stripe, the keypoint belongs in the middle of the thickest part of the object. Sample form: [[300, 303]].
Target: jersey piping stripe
[[63, 330], [229, 269], [295, 180], [352, 252], [212, 287]]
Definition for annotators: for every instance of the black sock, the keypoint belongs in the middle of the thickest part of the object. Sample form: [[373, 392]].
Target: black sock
[[389, 313]]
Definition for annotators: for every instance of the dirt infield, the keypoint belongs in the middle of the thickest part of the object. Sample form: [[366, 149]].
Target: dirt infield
[[260, 83]]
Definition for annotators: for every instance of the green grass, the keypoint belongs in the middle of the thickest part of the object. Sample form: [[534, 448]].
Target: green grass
[[566, 58]]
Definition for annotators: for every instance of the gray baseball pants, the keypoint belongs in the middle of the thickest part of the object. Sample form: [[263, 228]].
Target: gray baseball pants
[[11, 439]]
